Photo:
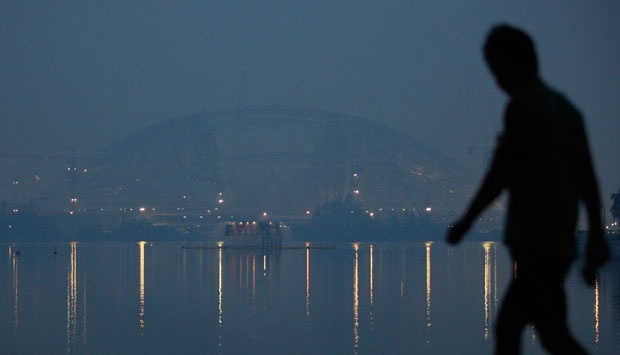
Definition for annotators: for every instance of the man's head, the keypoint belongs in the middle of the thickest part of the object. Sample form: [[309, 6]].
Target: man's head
[[511, 56]]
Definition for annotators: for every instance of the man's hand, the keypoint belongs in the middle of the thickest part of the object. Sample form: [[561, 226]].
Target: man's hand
[[456, 231], [596, 255]]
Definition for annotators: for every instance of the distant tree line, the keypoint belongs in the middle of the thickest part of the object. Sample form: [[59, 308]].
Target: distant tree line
[[25, 224], [346, 221]]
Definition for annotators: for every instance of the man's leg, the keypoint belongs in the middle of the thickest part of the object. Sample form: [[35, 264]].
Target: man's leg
[[550, 318], [511, 319]]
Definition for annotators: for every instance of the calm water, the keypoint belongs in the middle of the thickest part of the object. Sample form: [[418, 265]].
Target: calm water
[[165, 298]]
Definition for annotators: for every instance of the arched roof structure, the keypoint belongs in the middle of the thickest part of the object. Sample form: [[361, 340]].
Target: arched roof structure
[[277, 160]]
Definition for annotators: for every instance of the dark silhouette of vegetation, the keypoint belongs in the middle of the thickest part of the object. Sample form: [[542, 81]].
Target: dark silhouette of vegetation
[[345, 220], [140, 230], [25, 224], [334, 221]]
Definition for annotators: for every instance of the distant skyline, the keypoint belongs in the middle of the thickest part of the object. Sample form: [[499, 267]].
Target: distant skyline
[[85, 74]]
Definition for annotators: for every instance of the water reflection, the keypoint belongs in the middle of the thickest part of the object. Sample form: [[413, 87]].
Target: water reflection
[[220, 286], [72, 298], [355, 298], [13, 256], [371, 283], [427, 245], [253, 283], [307, 279], [371, 280], [141, 287], [356, 305], [596, 310], [490, 286]]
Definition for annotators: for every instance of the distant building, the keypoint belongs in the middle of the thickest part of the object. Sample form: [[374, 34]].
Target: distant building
[[270, 163]]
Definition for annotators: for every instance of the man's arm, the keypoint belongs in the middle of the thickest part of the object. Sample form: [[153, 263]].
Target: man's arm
[[493, 184]]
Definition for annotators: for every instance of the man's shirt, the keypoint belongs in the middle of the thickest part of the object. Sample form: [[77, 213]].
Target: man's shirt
[[542, 158]]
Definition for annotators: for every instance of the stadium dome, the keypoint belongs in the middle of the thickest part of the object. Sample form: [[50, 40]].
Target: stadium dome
[[261, 161]]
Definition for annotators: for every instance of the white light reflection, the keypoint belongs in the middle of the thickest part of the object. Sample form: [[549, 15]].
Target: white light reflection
[[13, 257], [356, 337], [307, 279], [371, 280], [490, 289], [596, 310], [219, 285], [141, 297], [428, 285], [72, 298], [220, 296]]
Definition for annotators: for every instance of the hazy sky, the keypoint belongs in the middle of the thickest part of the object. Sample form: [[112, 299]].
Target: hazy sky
[[84, 73]]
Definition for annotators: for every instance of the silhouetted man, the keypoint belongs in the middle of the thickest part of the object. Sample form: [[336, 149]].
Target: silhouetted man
[[542, 159]]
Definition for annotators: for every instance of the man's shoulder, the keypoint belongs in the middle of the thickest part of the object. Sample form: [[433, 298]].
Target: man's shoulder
[[557, 97], [541, 98]]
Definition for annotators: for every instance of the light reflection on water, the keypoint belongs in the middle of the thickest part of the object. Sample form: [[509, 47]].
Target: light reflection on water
[[72, 298], [360, 298], [141, 322]]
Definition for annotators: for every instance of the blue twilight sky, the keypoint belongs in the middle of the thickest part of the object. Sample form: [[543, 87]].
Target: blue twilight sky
[[84, 73]]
